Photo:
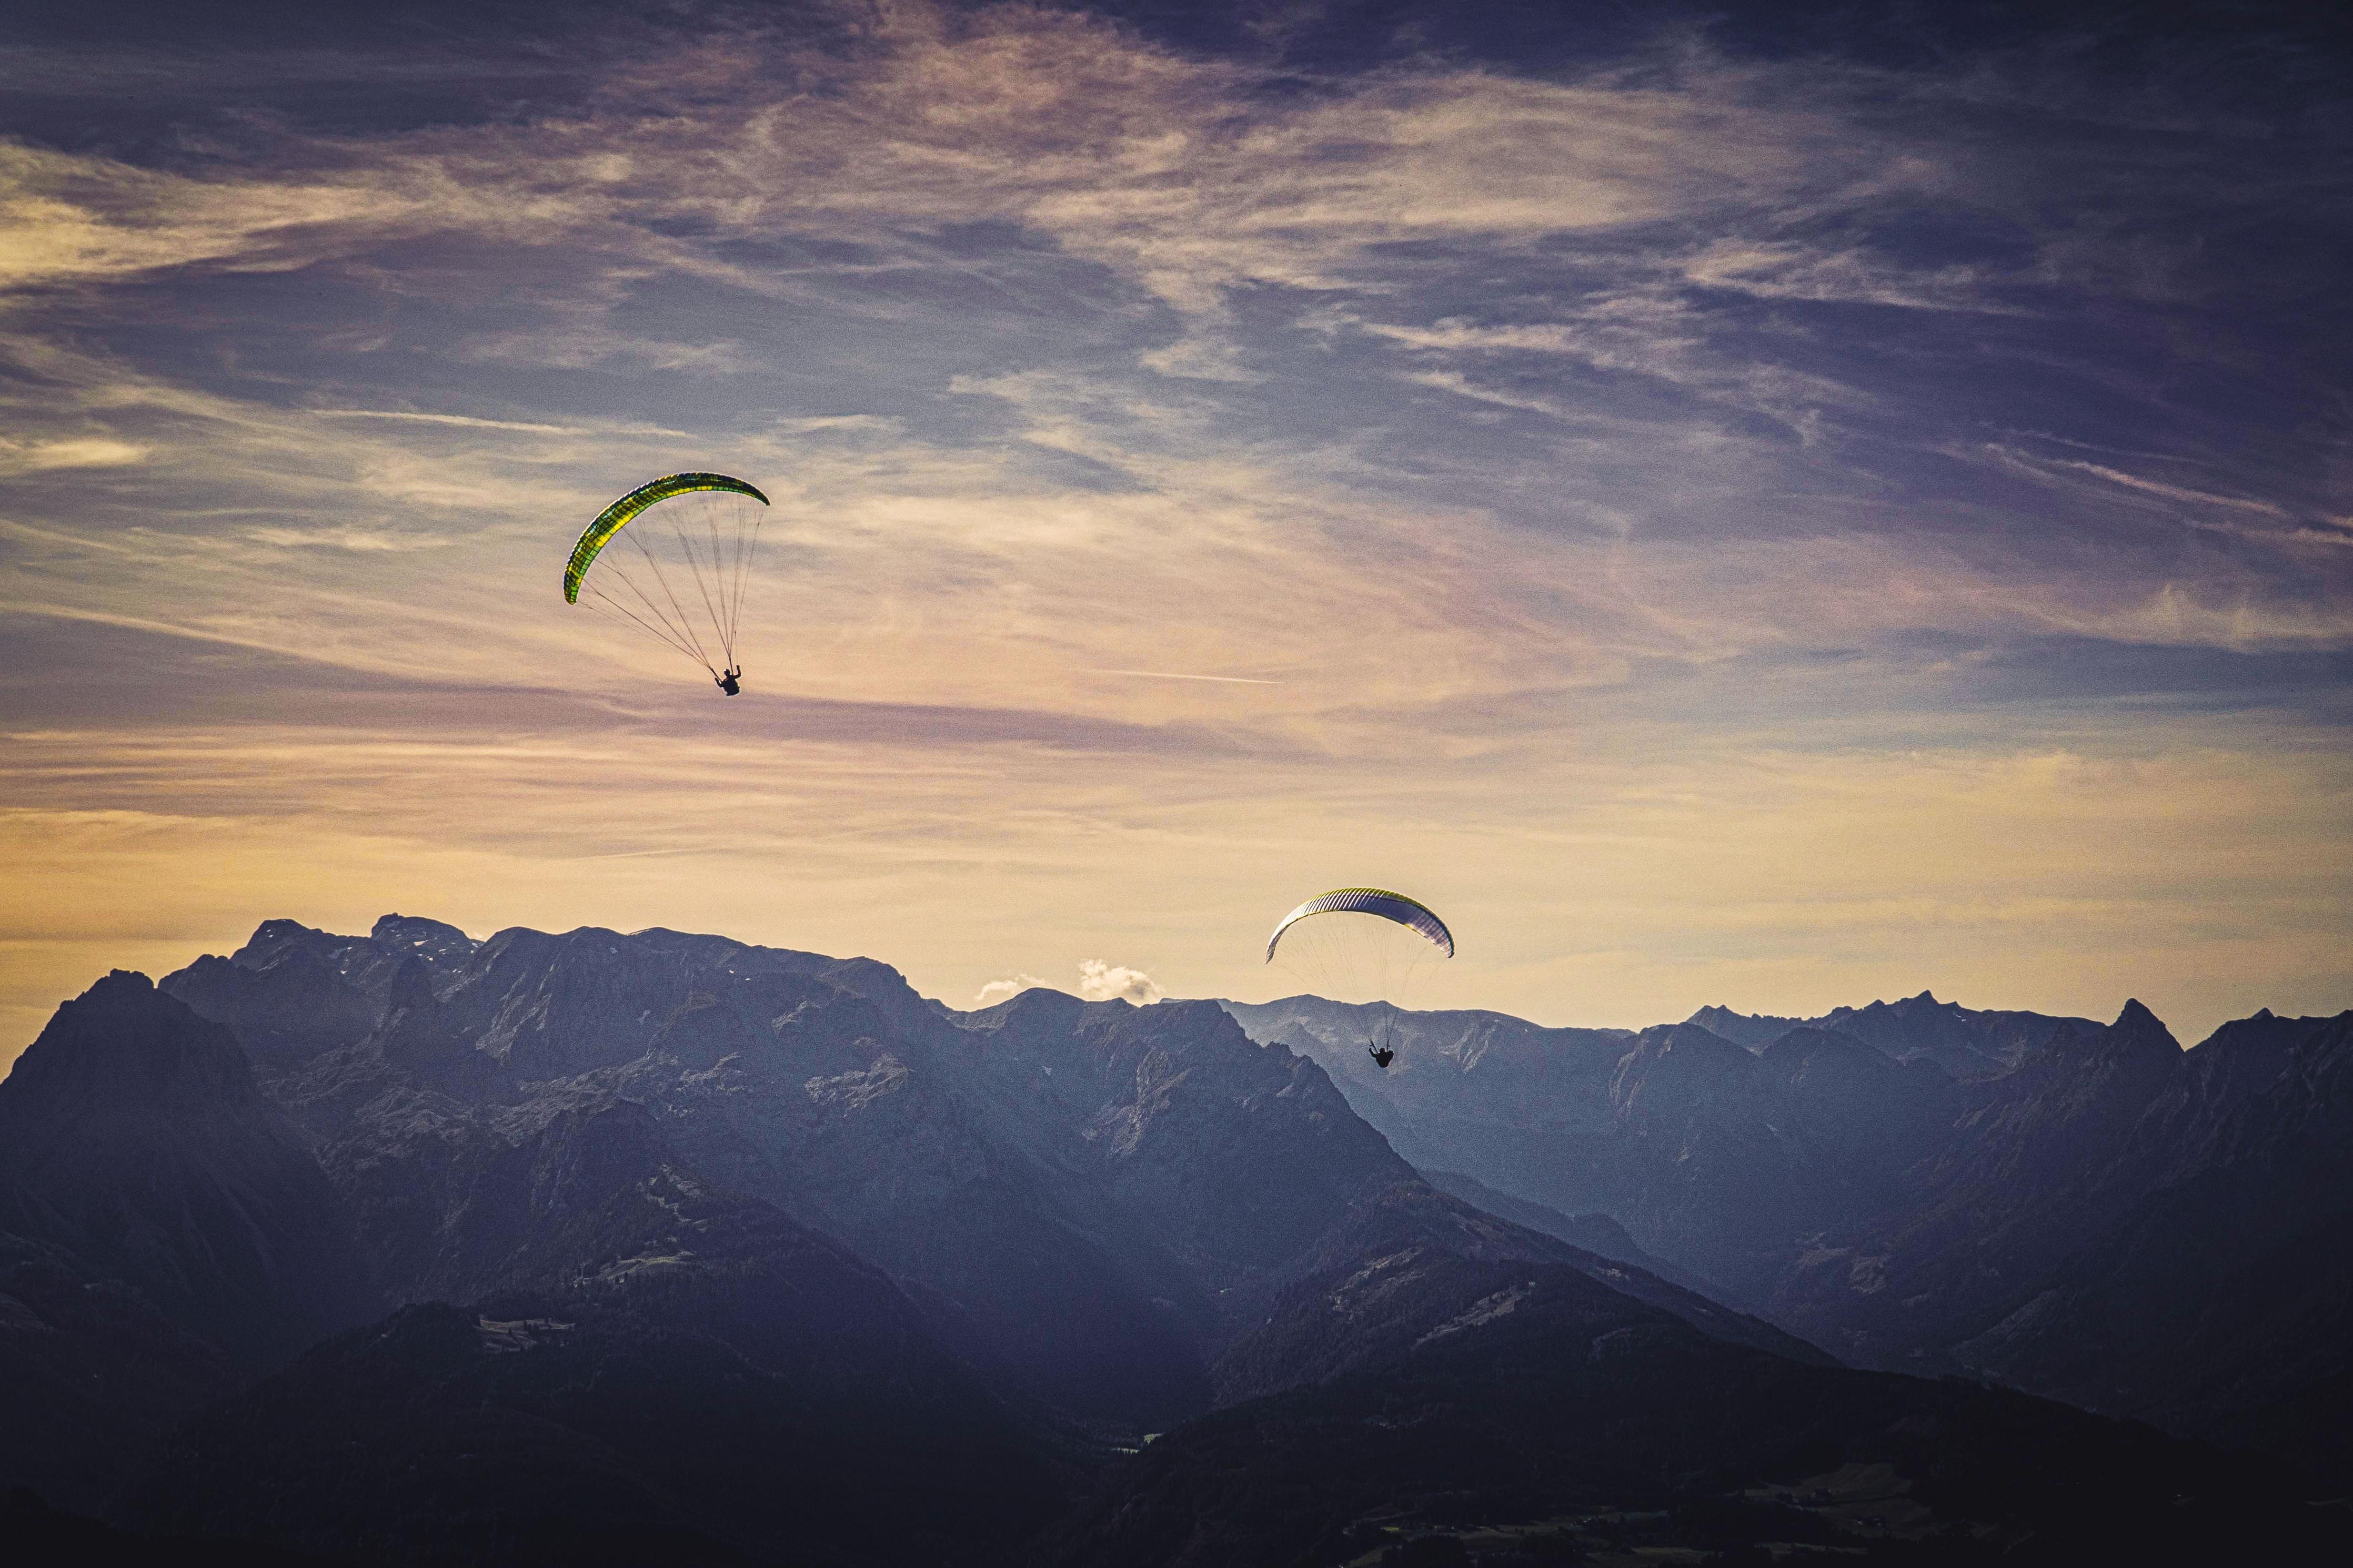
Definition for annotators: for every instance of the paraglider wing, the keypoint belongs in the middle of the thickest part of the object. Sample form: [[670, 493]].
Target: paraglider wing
[[1408, 912], [613, 518], [681, 572]]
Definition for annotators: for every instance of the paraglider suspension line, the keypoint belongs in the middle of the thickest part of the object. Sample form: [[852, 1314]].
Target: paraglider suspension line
[[685, 625], [747, 543], [703, 586], [678, 633], [605, 601]]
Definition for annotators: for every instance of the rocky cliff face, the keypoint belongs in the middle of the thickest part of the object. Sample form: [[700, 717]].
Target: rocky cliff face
[[2034, 1165]]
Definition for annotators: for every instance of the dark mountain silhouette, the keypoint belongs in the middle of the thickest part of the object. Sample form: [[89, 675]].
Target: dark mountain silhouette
[[37, 1532], [2023, 1221], [2222, 1301], [1089, 1200], [296, 992], [91, 1374], [162, 1231], [818, 1382], [1540, 1418], [134, 1140], [2034, 1165], [1372, 1285], [598, 1429]]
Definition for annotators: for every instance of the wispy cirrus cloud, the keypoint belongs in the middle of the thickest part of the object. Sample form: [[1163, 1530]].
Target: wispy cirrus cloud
[[69, 452]]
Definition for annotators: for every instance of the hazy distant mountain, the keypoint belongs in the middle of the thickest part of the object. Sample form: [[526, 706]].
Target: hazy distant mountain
[[1965, 1041], [1841, 1180], [1712, 1156], [1596, 1232], [1483, 1093]]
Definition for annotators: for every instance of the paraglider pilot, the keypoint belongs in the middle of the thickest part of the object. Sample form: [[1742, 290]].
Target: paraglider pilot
[[1381, 1055], [729, 682]]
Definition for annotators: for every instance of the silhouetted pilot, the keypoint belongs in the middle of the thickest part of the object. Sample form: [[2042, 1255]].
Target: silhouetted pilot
[[729, 682], [1382, 1054]]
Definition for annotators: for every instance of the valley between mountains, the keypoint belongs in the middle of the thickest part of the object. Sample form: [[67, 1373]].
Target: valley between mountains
[[607, 1248]]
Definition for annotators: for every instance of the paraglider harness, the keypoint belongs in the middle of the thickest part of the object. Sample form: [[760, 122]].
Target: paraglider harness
[[727, 682], [1382, 1054]]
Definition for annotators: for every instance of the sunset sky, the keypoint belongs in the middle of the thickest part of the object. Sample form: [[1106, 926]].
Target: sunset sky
[[1726, 511]]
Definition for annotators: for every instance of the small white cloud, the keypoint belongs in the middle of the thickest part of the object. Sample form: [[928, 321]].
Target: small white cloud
[[1101, 981], [997, 991]]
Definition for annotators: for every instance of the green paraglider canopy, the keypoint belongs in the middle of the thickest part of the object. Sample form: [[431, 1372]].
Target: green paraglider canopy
[[683, 582]]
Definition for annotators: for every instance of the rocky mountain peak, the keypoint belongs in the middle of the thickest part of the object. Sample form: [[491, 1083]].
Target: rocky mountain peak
[[413, 934], [1754, 1030], [2138, 1031], [271, 938], [123, 1045], [1041, 1005], [134, 1138]]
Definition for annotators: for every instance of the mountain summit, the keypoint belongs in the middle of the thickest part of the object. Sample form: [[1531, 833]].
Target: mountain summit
[[134, 1138]]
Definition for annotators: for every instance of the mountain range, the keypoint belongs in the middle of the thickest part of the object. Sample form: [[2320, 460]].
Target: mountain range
[[2085, 1211], [597, 1247]]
